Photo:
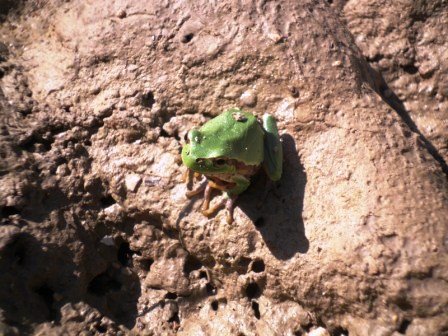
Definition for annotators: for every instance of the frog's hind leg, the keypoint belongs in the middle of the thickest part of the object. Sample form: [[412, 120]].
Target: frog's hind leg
[[230, 206]]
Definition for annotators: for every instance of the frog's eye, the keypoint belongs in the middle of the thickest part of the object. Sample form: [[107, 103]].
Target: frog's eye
[[219, 162]]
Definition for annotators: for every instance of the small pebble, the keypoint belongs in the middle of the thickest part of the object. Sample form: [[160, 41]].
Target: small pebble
[[248, 98], [319, 332], [132, 182], [121, 14], [108, 240]]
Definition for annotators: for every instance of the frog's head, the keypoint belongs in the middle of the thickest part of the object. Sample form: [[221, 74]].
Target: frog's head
[[201, 155]]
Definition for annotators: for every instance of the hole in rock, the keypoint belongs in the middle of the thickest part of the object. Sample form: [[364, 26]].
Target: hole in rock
[[107, 201], [102, 284], [10, 211], [146, 264], [253, 291], [211, 290], [35, 143], [258, 266], [307, 327], [410, 69], [175, 318], [339, 331], [124, 254], [375, 59], [215, 305], [148, 99], [170, 296], [164, 133], [404, 304], [256, 309], [187, 38], [191, 264], [203, 275], [101, 329], [403, 326]]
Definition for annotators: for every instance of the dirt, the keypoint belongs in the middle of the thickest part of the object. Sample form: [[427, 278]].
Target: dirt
[[96, 234]]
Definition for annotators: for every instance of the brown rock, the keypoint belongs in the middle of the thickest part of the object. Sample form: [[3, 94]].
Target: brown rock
[[352, 238]]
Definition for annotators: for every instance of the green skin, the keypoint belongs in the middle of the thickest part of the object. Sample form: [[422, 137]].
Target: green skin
[[225, 145]]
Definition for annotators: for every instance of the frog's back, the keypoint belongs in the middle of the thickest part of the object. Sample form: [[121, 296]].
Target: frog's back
[[239, 135]]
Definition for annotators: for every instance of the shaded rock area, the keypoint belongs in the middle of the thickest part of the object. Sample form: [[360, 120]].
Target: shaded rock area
[[408, 43], [96, 234]]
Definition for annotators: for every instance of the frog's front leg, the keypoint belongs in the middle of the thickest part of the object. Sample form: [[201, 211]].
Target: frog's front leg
[[200, 188], [207, 198]]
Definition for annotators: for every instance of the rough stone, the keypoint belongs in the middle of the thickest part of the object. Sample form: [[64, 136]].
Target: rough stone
[[352, 240]]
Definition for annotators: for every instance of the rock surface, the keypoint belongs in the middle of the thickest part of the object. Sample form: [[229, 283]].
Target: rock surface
[[96, 234]]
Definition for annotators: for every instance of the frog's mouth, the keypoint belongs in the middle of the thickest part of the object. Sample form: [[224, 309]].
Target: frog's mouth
[[232, 167]]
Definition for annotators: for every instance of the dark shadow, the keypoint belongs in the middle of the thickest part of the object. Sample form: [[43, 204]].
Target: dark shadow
[[7, 5], [29, 280], [385, 92], [37, 279], [279, 219], [115, 293]]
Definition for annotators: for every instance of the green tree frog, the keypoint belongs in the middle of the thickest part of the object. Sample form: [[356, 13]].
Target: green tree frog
[[228, 150]]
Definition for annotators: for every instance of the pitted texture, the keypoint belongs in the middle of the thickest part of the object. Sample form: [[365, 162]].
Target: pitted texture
[[96, 233]]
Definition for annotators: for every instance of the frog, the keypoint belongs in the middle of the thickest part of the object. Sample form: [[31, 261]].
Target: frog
[[228, 150]]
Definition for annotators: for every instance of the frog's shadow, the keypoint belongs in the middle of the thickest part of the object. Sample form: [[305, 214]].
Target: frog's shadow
[[279, 219]]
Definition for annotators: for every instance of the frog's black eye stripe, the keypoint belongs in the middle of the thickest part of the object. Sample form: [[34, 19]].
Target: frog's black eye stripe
[[186, 139]]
